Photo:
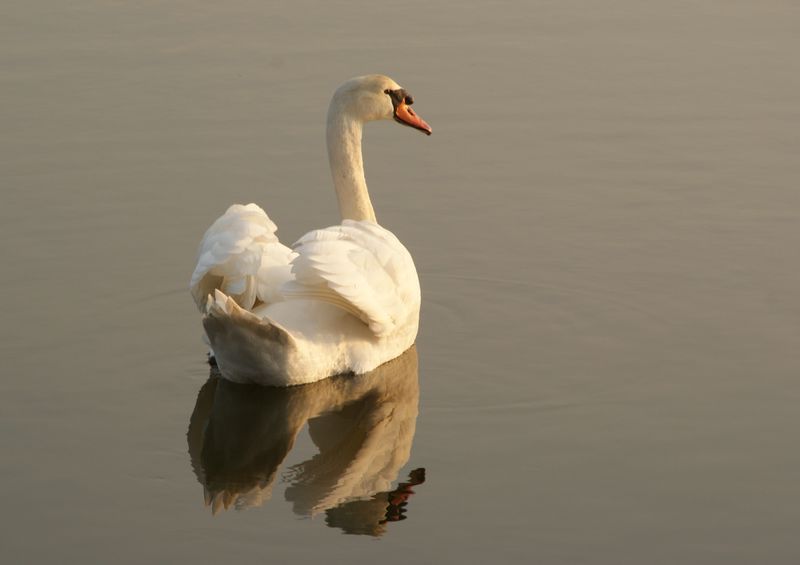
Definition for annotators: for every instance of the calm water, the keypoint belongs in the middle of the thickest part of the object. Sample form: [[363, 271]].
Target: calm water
[[606, 223]]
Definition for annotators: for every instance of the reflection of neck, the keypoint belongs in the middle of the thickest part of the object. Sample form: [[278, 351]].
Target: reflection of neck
[[363, 426], [347, 166]]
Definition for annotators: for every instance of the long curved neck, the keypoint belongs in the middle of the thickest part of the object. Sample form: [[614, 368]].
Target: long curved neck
[[347, 166]]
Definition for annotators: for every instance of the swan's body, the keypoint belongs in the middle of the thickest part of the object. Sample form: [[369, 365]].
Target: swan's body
[[344, 299]]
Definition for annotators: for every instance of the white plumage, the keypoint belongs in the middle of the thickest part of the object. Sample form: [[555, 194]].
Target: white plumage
[[240, 255], [344, 299], [360, 267]]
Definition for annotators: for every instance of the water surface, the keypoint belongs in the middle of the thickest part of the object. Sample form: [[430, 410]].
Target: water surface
[[605, 223]]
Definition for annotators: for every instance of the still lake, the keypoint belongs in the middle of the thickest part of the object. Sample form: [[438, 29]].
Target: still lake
[[606, 224]]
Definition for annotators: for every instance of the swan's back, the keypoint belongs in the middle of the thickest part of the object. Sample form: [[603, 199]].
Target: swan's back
[[345, 299]]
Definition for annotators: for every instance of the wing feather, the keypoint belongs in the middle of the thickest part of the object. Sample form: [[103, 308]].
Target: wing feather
[[240, 254], [359, 267]]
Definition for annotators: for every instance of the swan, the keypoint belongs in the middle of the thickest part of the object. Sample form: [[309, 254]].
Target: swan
[[342, 299]]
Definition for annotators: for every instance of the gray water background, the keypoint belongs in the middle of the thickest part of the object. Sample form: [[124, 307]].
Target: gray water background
[[605, 223]]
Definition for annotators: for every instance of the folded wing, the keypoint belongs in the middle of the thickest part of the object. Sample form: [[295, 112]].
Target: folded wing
[[360, 267]]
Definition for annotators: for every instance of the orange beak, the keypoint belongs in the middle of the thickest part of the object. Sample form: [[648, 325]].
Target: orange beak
[[406, 116]]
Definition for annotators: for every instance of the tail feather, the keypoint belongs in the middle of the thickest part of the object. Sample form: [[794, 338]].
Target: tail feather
[[247, 348]]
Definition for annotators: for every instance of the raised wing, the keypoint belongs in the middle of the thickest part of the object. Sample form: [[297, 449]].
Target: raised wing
[[359, 267], [241, 256]]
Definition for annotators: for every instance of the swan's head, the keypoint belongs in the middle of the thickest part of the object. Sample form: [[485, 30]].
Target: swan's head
[[377, 97]]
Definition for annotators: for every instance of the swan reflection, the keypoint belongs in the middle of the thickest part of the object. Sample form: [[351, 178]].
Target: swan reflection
[[363, 427]]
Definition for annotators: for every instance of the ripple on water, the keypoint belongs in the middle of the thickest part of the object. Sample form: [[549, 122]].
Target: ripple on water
[[507, 345]]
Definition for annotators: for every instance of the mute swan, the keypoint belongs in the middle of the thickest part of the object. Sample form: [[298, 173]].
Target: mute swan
[[343, 299]]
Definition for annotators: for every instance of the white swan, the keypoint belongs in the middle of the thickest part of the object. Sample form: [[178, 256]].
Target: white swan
[[343, 299]]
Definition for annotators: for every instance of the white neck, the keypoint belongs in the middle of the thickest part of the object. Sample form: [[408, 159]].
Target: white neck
[[347, 166]]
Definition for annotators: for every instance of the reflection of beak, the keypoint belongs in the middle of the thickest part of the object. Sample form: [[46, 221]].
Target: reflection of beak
[[406, 116]]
